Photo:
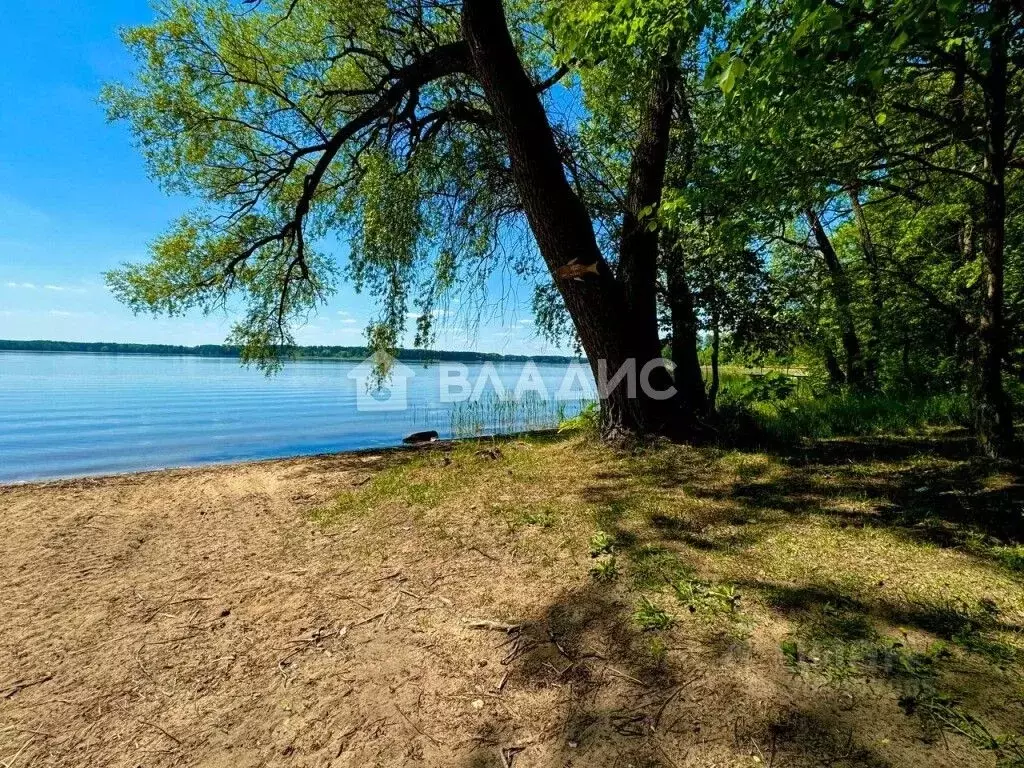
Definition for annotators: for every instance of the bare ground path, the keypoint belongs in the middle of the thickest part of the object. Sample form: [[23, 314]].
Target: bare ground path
[[380, 610]]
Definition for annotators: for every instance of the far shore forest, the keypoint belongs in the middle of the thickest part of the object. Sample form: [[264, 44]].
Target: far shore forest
[[308, 352]]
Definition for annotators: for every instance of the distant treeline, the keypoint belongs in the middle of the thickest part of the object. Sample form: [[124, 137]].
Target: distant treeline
[[301, 353]]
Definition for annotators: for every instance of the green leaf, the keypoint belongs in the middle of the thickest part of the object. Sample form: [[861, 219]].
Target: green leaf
[[801, 29], [728, 79], [880, 118]]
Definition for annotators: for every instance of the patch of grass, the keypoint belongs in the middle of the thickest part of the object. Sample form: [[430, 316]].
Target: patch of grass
[[431, 479], [1011, 557], [413, 483], [837, 642], [601, 543], [653, 567], [791, 419], [658, 651], [700, 596], [650, 617], [543, 517], [882, 559], [605, 570], [587, 420], [918, 677]]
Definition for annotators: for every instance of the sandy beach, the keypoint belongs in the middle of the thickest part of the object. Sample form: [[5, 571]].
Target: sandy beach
[[200, 617], [434, 608]]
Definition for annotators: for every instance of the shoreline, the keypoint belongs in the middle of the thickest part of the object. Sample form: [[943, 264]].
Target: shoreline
[[186, 469]]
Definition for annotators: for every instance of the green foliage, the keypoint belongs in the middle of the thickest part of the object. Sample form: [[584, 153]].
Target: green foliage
[[652, 618], [236, 109], [770, 387], [840, 415], [699, 596], [831, 194], [601, 543], [587, 420], [1011, 557], [605, 570]]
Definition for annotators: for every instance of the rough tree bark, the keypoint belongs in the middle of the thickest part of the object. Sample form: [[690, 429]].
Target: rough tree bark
[[716, 343], [836, 377], [689, 376], [638, 246], [994, 411]]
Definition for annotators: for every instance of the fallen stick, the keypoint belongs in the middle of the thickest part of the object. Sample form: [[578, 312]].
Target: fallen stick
[[624, 676], [499, 626], [170, 736], [19, 686], [416, 728], [384, 616]]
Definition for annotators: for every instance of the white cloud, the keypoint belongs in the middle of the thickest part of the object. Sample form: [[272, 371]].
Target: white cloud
[[48, 286], [433, 313]]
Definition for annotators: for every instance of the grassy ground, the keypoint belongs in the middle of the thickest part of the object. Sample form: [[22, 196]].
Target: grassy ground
[[861, 600], [536, 602]]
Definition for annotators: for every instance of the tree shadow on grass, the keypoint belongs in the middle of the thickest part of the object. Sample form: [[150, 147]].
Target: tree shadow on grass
[[934, 490], [927, 497], [625, 697], [947, 659]]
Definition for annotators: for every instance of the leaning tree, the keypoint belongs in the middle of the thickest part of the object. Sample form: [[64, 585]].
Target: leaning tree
[[421, 131]]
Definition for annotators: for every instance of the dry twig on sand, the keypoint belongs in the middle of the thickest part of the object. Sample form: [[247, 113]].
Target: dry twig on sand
[[416, 728], [499, 626], [21, 685]]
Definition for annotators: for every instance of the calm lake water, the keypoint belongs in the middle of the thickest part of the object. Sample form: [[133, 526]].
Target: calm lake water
[[66, 415]]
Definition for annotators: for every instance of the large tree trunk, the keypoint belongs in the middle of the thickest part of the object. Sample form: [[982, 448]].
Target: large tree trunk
[[841, 294], [638, 247], [994, 412], [688, 374], [562, 227], [836, 377], [716, 343]]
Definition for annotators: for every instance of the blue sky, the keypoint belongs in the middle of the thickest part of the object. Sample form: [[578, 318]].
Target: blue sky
[[75, 199]]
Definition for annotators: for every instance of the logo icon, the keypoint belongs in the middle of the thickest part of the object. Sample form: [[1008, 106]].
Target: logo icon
[[382, 383]]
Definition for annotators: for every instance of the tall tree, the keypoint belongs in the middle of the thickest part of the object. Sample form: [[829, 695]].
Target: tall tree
[[418, 128]]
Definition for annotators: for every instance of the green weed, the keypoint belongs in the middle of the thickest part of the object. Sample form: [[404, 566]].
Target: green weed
[[651, 618], [601, 543], [605, 570]]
